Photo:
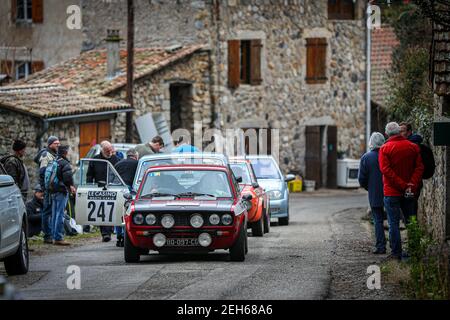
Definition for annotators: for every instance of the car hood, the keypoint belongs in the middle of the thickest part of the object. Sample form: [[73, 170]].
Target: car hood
[[183, 205], [270, 184]]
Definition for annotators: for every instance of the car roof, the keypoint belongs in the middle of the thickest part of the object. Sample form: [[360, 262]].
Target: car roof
[[252, 157], [183, 155], [192, 167]]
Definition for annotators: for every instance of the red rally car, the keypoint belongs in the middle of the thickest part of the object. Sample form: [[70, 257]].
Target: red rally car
[[187, 208]]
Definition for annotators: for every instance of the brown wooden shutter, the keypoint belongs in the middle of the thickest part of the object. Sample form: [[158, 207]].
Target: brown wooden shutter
[[316, 56], [38, 11], [104, 131], [6, 67], [234, 63], [255, 62], [88, 137], [341, 9], [333, 9], [37, 66], [13, 10]]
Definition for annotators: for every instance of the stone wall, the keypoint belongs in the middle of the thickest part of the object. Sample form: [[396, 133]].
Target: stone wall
[[283, 100]]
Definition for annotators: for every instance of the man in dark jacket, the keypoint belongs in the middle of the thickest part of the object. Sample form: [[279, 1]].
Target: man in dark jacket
[[371, 179], [43, 158], [402, 169], [60, 195], [15, 167], [34, 208], [127, 170], [97, 173]]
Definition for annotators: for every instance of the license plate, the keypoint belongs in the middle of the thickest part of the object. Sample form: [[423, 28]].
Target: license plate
[[188, 242]]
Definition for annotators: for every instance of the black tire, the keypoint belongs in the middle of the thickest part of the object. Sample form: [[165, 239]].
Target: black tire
[[258, 227], [283, 221], [237, 251], [266, 221], [18, 263], [131, 253]]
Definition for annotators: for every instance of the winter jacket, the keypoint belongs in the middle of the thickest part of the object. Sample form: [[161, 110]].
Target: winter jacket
[[43, 158], [145, 150], [65, 176], [34, 208], [371, 179], [97, 171], [15, 168], [400, 164], [127, 170], [416, 138]]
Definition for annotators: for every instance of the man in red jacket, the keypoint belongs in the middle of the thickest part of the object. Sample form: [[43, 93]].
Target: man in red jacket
[[402, 169]]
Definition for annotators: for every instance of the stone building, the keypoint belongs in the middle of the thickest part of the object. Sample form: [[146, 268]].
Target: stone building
[[295, 65], [34, 35]]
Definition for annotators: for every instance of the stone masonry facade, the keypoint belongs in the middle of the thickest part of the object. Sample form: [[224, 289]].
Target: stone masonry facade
[[283, 100]]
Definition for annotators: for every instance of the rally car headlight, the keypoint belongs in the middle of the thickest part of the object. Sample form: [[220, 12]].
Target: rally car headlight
[[214, 219], [150, 219], [168, 221], [227, 219], [159, 240], [275, 194], [205, 239], [197, 221], [138, 219]]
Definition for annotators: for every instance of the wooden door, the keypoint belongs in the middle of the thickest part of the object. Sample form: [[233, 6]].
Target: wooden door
[[313, 155], [92, 133], [332, 157]]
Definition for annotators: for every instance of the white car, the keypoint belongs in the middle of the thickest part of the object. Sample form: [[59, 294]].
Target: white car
[[13, 227]]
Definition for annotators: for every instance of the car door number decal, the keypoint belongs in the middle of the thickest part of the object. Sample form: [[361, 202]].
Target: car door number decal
[[99, 210]]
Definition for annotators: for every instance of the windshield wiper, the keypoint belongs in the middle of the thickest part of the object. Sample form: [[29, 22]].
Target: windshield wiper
[[159, 195], [195, 194]]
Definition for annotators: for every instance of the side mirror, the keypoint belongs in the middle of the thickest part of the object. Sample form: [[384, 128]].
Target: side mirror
[[255, 185], [289, 178], [239, 179], [247, 197], [6, 181]]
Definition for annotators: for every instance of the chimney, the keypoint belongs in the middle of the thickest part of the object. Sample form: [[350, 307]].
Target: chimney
[[112, 53]]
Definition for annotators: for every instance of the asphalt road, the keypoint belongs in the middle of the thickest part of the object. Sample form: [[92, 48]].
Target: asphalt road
[[291, 262]]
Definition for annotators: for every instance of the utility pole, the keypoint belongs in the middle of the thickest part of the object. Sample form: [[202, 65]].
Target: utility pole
[[130, 70]]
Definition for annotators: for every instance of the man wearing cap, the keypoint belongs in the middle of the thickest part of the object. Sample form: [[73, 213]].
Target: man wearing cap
[[43, 158], [15, 168], [34, 209], [60, 195]]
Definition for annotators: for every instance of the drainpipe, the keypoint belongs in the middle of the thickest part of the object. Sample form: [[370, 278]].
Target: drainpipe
[[41, 134], [368, 76]]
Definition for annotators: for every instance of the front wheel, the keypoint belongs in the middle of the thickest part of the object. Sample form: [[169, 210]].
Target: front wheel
[[131, 253], [238, 250], [258, 227], [18, 263], [266, 221]]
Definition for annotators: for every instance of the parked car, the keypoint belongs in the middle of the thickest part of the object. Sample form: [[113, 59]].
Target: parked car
[[13, 227], [259, 206], [186, 208], [176, 159], [270, 177]]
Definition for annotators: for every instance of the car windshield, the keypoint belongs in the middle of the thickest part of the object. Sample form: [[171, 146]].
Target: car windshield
[[265, 169], [186, 184], [175, 161], [241, 170]]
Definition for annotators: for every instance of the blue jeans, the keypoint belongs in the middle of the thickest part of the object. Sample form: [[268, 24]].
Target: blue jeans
[[378, 219], [46, 215], [394, 207], [119, 232], [59, 203]]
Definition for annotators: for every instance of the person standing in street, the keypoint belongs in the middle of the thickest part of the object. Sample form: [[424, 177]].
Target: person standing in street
[[127, 171], [43, 158], [371, 179], [402, 169], [153, 147], [98, 173], [15, 167], [60, 195]]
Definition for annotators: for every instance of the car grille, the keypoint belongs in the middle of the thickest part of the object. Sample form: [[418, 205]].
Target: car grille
[[183, 219]]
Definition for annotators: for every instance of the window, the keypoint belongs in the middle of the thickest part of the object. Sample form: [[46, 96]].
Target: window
[[316, 56], [244, 62], [27, 11], [341, 9], [23, 69]]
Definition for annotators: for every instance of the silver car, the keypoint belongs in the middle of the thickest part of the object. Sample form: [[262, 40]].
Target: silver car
[[13, 227]]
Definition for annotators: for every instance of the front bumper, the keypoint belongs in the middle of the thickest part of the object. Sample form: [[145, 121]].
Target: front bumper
[[279, 208]]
